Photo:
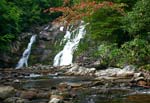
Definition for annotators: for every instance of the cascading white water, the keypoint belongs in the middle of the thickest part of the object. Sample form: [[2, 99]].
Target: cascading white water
[[72, 38], [24, 59]]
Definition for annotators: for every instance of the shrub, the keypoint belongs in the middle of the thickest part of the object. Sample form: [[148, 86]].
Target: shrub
[[135, 52], [109, 54]]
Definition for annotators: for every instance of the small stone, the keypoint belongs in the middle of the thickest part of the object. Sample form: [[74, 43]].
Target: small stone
[[15, 100], [74, 85]]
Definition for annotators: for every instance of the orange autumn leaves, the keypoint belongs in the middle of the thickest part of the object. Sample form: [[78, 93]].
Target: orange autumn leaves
[[78, 11]]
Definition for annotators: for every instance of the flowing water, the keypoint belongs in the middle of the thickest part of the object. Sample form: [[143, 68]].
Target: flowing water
[[72, 39], [95, 94], [24, 59]]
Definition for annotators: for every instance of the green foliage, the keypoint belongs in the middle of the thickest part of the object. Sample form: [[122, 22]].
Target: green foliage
[[19, 16], [83, 46], [33, 11], [136, 52], [105, 25], [109, 54], [4, 41], [10, 19], [6, 37], [138, 20]]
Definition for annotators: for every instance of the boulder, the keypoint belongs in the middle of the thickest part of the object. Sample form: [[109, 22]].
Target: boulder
[[127, 71], [28, 94], [79, 70], [6, 91], [108, 72]]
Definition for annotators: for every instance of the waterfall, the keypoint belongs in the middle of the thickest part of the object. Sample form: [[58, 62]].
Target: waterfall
[[72, 39], [24, 59]]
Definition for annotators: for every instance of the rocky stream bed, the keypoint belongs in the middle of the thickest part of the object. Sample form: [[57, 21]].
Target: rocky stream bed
[[74, 84]]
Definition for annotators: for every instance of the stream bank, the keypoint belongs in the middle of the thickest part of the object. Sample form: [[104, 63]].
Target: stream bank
[[74, 84]]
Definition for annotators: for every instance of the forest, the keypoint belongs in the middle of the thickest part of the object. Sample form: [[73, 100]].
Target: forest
[[119, 32]]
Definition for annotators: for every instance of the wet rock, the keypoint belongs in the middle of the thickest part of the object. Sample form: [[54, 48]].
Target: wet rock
[[28, 94], [129, 68], [62, 86], [103, 78], [123, 73], [96, 83], [79, 70], [45, 35], [56, 99], [16, 81], [136, 75], [43, 95], [16, 100], [108, 72], [65, 67], [127, 71], [111, 72], [139, 78], [6, 91], [141, 83], [57, 96], [67, 86], [74, 85]]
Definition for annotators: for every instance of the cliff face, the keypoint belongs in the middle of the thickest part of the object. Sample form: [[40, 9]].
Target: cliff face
[[43, 50]]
